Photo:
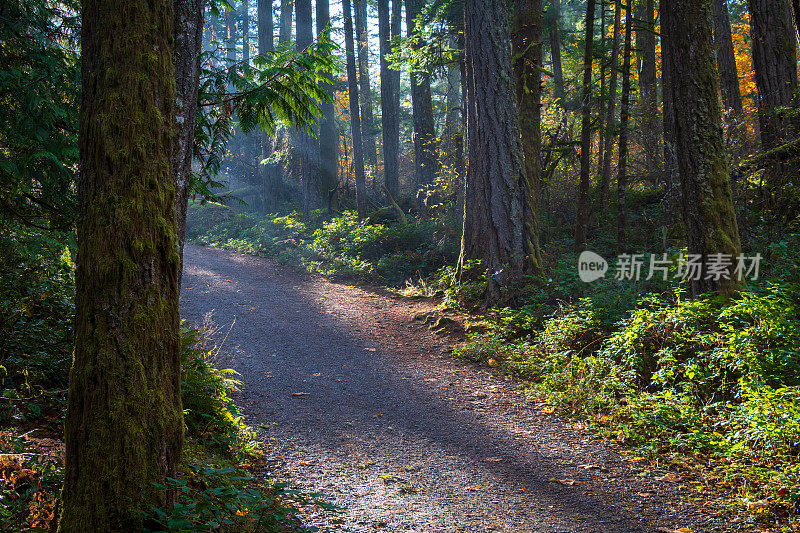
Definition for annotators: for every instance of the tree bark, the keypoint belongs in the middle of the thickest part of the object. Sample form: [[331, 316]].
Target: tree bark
[[726, 58], [124, 425], [671, 177], [365, 92], [624, 118], [707, 203], [285, 30], [610, 122], [586, 131], [794, 6], [554, 21], [355, 120], [389, 100], [646, 45], [188, 26], [453, 150], [426, 160], [270, 176], [775, 66], [494, 215], [526, 42], [328, 138], [230, 42], [313, 196], [245, 31]]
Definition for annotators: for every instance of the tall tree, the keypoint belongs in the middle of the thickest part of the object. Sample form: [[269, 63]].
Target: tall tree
[[610, 122], [328, 138], [426, 160], [554, 23], [230, 37], [365, 91], [452, 149], [309, 149], [495, 207], [646, 46], [245, 31], [355, 120], [670, 160], [775, 66], [586, 130], [794, 6], [726, 58], [526, 42], [390, 90], [707, 203], [188, 26], [624, 117], [269, 173], [124, 425], [285, 31]]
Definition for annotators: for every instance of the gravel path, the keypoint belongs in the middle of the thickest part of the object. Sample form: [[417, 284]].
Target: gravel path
[[366, 405]]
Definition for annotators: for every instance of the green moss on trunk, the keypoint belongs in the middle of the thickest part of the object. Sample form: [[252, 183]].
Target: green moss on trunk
[[124, 423]]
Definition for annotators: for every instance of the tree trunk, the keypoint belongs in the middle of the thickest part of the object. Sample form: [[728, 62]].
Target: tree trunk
[[355, 120], [230, 42], [328, 138], [389, 101], [646, 45], [245, 31], [188, 26], [313, 196], [726, 58], [794, 7], [453, 150], [124, 425], [775, 66], [365, 93], [526, 42], [707, 204], [554, 22], [285, 31], [426, 160], [671, 177], [269, 173], [610, 122], [586, 131], [624, 118], [494, 216]]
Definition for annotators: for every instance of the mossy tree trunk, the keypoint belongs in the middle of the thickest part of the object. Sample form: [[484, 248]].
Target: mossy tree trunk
[[526, 42], [706, 193], [496, 203], [189, 15], [648, 97], [313, 195], [583, 215], [124, 425], [285, 30], [554, 23]]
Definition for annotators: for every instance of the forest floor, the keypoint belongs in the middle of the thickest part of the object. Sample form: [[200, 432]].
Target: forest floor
[[353, 398]]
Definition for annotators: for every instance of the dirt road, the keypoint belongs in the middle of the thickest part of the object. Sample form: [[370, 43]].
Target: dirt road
[[353, 398]]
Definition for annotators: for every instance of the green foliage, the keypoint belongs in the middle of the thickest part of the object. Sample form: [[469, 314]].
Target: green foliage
[[227, 499], [39, 85], [36, 308], [340, 247], [718, 378], [210, 414]]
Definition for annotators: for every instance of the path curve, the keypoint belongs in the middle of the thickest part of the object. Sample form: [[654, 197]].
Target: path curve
[[395, 429]]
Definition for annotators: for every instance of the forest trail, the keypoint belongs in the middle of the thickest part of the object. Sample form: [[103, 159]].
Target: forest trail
[[353, 398]]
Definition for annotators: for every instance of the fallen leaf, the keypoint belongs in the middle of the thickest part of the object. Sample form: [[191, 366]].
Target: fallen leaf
[[760, 504], [492, 526], [547, 411], [644, 494], [305, 463], [670, 477], [474, 488], [679, 530], [296, 394], [494, 459], [316, 374], [635, 459], [370, 349], [568, 482]]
